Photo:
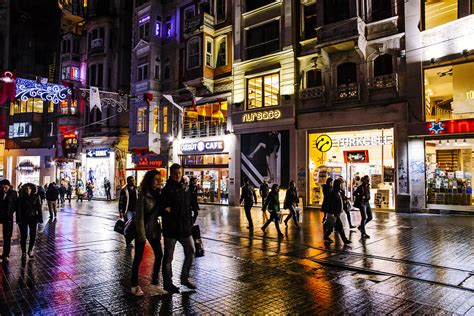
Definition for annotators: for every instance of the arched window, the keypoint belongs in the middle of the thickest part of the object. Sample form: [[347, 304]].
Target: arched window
[[194, 52], [383, 65], [314, 78], [346, 73]]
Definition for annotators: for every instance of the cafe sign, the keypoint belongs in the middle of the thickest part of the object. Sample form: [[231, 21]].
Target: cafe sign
[[203, 147]]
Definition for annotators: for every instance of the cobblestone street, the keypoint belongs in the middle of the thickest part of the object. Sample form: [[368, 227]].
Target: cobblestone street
[[411, 264]]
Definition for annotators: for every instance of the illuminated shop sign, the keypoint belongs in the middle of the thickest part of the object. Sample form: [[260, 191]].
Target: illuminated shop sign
[[203, 147], [261, 116], [450, 127], [98, 153], [149, 161], [361, 141]]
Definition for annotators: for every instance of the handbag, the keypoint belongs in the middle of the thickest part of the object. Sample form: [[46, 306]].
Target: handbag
[[130, 230], [119, 226], [196, 232], [299, 214]]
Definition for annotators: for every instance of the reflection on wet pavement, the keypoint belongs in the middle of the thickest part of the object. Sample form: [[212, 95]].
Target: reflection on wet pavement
[[411, 264]]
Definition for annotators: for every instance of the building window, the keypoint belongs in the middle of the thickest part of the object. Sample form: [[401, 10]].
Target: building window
[[194, 53], [96, 38], [381, 9], [263, 91], [220, 10], [167, 71], [310, 20], [140, 2], [158, 26], [32, 105], [383, 65], [221, 45], [314, 78], [157, 71], [50, 107], [70, 73], [144, 27], [263, 40], [75, 46], [346, 74], [436, 13], [255, 4], [189, 13], [165, 119], [92, 75], [209, 52], [168, 26], [155, 120], [142, 72], [336, 10], [66, 46], [141, 120]]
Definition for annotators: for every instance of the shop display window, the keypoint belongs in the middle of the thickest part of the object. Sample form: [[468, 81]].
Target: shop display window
[[439, 12], [352, 155], [449, 92], [449, 165], [213, 186], [209, 119]]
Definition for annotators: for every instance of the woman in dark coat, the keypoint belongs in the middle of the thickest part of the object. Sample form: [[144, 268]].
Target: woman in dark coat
[[273, 204], [327, 188], [291, 202], [147, 227], [28, 215], [336, 207]]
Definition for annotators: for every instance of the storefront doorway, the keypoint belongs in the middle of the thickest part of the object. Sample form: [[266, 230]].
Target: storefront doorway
[[352, 155]]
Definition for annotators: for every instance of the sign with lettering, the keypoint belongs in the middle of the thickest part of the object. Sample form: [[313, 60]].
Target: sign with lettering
[[261, 116], [361, 141], [450, 127], [98, 153], [203, 147], [356, 156]]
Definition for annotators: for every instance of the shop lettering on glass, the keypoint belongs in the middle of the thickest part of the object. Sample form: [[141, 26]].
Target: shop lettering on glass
[[145, 162], [199, 147], [261, 116], [98, 153], [27, 167], [361, 141]]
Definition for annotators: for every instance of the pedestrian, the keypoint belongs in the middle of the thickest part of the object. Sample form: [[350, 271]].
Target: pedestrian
[[290, 203], [69, 192], [8, 197], [62, 193], [52, 197], [176, 212], [327, 188], [333, 221], [264, 188], [147, 227], [194, 188], [248, 196], [272, 203], [347, 204], [80, 190], [90, 190], [127, 202], [28, 215], [362, 201], [41, 193], [107, 188]]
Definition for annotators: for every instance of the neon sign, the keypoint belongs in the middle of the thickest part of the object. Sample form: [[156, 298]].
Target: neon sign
[[261, 116], [450, 127]]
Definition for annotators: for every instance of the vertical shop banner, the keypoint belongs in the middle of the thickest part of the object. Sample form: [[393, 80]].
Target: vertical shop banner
[[266, 156]]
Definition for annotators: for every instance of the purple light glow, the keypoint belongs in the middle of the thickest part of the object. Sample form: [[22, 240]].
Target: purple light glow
[[144, 19]]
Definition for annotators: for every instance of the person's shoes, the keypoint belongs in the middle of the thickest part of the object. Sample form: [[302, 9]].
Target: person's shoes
[[30, 254], [188, 283], [347, 242], [281, 236], [136, 291], [171, 288], [263, 230]]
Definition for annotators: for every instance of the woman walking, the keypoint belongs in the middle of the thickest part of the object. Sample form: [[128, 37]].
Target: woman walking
[[291, 202], [28, 215], [347, 204], [273, 204], [362, 201], [327, 188], [148, 228], [336, 205]]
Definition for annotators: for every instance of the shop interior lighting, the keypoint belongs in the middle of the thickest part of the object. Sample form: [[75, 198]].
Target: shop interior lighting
[[464, 141], [456, 141], [447, 142]]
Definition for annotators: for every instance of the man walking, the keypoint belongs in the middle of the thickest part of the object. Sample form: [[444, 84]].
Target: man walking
[[52, 195], [264, 189], [107, 187], [8, 198], [177, 223], [128, 201], [248, 196]]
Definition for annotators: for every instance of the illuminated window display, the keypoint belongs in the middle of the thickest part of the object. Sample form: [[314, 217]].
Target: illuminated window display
[[449, 164], [439, 12], [353, 155]]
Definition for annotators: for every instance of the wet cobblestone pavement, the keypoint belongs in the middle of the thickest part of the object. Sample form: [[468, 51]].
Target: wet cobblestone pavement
[[411, 264]]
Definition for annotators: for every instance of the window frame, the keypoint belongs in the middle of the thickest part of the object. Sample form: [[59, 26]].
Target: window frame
[[262, 89], [156, 120], [264, 44], [141, 120], [165, 116], [210, 52], [316, 71], [141, 76], [423, 15], [192, 41], [303, 22], [216, 12], [219, 41], [374, 64]]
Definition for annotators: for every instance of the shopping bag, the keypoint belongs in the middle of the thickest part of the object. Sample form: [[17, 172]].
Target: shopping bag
[[196, 232], [299, 214], [119, 226]]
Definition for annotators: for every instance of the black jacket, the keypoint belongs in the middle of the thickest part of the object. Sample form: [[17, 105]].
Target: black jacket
[[146, 217], [124, 199], [8, 205], [52, 193], [362, 194], [248, 194], [326, 198], [176, 210], [264, 189], [336, 203], [28, 209], [291, 198]]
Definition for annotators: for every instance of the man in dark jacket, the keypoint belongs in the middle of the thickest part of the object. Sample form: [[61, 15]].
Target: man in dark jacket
[[52, 195], [127, 202], [264, 189], [8, 198], [177, 218], [107, 188], [248, 196]]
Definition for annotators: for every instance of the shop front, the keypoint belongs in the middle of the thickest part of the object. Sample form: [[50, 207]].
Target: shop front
[[208, 162], [98, 164], [352, 155], [28, 170], [144, 163]]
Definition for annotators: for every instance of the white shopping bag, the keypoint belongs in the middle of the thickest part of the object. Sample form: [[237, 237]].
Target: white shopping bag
[[299, 214]]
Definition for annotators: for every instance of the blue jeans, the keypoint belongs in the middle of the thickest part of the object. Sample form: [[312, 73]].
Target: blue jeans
[[366, 216], [188, 246]]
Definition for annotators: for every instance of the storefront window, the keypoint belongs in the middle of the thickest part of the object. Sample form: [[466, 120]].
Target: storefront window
[[28, 106], [209, 119], [352, 155], [50, 107], [449, 92], [63, 107], [165, 119], [263, 91], [449, 164], [439, 12], [155, 120]]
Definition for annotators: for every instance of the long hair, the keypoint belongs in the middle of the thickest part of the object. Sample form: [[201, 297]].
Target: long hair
[[23, 191], [337, 186], [147, 183], [329, 181]]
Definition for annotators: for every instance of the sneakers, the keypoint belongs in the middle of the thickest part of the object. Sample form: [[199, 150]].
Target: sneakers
[[171, 288], [188, 283], [31, 255], [136, 291]]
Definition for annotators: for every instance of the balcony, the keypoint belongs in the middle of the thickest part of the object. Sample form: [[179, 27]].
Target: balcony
[[341, 31], [312, 93], [198, 21], [97, 46], [382, 28], [347, 93], [203, 129], [383, 82]]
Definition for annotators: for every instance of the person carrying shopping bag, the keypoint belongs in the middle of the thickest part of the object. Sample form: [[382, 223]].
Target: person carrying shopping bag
[[272, 203]]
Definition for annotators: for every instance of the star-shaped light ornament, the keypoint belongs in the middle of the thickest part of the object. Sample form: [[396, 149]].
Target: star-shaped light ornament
[[436, 128]]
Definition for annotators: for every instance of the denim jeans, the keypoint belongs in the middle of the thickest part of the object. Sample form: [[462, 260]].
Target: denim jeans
[[24, 235], [366, 216], [292, 215], [248, 212], [137, 259], [274, 217], [188, 246]]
